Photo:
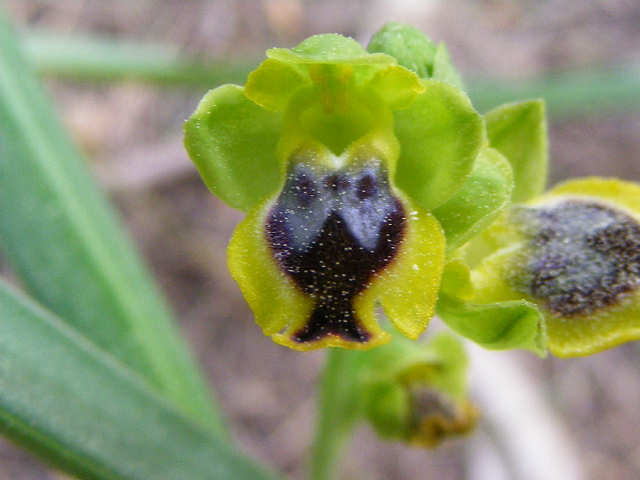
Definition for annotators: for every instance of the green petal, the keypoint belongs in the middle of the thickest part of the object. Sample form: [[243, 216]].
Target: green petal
[[478, 202], [456, 279], [497, 326], [327, 48], [330, 61], [519, 132], [408, 288], [410, 47], [444, 70], [232, 142], [273, 84], [441, 135], [396, 86], [273, 298]]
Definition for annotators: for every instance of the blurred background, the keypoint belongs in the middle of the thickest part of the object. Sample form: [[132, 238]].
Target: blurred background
[[583, 57]]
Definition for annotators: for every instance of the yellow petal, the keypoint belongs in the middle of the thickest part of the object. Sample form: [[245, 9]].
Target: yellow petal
[[581, 266], [274, 299], [408, 288]]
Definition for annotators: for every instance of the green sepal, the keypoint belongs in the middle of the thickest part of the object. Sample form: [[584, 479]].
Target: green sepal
[[232, 142], [578, 264], [441, 135], [496, 326], [486, 193], [333, 64], [327, 48], [519, 131], [441, 361], [415, 51], [386, 406], [456, 279], [444, 70], [412, 48]]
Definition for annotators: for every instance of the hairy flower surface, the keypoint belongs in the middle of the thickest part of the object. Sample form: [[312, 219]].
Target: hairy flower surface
[[352, 170], [574, 253]]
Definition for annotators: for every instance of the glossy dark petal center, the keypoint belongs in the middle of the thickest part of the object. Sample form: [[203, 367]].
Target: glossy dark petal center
[[331, 232], [584, 256]]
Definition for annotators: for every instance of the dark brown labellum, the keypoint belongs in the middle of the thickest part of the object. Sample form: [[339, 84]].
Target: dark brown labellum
[[331, 232], [583, 256]]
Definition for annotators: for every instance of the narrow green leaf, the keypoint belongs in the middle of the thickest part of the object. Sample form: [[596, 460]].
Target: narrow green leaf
[[588, 91], [103, 59], [477, 203], [497, 326], [90, 416], [519, 132], [64, 241], [109, 59]]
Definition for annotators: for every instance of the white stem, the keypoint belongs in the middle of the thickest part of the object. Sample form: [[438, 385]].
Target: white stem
[[530, 433]]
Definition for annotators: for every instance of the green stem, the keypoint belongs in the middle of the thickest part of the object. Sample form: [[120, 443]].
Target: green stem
[[567, 93], [337, 412], [100, 59]]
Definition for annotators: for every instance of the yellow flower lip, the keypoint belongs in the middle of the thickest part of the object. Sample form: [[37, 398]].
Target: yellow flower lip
[[584, 255], [357, 121], [314, 259], [574, 253]]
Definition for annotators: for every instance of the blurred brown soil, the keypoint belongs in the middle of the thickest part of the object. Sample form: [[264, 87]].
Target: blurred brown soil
[[266, 390]]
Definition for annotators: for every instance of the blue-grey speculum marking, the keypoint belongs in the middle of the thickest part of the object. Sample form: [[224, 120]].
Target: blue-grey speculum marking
[[331, 231], [582, 256]]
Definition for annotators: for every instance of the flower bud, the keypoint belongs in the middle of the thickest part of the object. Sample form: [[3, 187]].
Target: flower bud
[[417, 393]]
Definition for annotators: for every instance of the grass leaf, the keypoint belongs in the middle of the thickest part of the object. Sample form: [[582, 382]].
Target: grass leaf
[[63, 240], [89, 415]]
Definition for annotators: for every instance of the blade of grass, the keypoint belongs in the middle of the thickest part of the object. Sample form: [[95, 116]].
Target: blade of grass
[[336, 412], [568, 93], [102, 59], [63, 240], [90, 416]]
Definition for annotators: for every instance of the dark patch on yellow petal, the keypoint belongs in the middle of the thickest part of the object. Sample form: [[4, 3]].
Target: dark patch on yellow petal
[[584, 256], [436, 416], [331, 231]]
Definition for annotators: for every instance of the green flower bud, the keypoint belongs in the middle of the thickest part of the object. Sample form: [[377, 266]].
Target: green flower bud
[[416, 393]]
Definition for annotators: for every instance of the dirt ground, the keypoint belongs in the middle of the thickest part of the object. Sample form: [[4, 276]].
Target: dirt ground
[[131, 133]]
